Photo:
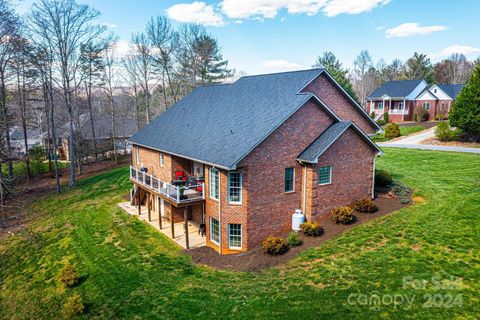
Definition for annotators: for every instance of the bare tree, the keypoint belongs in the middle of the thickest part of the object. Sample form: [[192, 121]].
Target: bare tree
[[110, 64], [131, 78], [65, 25], [361, 65], [144, 66]]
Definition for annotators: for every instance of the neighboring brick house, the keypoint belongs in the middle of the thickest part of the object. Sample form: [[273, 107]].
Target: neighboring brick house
[[401, 98], [259, 149]]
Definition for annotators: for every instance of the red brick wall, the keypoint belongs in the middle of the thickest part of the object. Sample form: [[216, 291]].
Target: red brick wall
[[352, 162], [335, 100], [433, 106], [269, 207]]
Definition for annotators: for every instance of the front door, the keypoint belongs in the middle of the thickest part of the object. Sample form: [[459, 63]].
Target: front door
[[197, 169]]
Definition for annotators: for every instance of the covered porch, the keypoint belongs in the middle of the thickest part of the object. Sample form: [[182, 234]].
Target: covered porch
[[187, 235]]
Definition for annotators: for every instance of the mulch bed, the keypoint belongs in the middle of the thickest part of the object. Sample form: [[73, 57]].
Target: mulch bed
[[464, 144], [256, 260]]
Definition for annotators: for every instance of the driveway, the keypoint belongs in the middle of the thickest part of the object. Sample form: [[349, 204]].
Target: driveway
[[413, 142]]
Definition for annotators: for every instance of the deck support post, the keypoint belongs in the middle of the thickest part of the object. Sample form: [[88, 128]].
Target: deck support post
[[138, 201], [159, 213], [186, 227], [171, 222], [149, 207]]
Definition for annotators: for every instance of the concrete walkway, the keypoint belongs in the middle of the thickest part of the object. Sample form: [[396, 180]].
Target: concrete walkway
[[195, 239], [413, 141]]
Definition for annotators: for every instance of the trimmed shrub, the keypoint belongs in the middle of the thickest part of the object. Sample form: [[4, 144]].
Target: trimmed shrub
[[440, 117], [68, 275], [383, 178], [293, 240], [342, 215], [312, 229], [381, 122], [274, 245], [392, 131], [420, 114], [385, 117], [365, 205], [373, 115], [74, 306], [443, 132]]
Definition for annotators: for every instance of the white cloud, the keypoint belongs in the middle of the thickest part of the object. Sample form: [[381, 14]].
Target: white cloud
[[108, 25], [336, 7], [281, 65], [195, 12], [123, 48], [412, 29], [468, 51], [241, 9]]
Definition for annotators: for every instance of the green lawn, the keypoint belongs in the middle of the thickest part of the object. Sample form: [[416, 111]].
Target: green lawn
[[131, 271], [404, 131]]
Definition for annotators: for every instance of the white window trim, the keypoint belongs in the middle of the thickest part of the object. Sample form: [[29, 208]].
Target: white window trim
[[241, 188], [211, 184], [211, 233], [331, 171], [241, 237], [162, 160], [293, 182], [425, 104]]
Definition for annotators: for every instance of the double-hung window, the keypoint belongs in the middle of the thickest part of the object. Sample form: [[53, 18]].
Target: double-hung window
[[214, 230], [289, 179], [235, 236], [214, 184], [235, 187], [426, 106], [162, 160], [325, 175]]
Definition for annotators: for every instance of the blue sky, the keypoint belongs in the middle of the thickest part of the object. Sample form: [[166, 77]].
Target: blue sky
[[259, 36]]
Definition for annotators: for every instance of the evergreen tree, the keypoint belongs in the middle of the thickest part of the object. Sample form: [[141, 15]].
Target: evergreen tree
[[211, 66], [330, 62], [465, 113], [419, 67]]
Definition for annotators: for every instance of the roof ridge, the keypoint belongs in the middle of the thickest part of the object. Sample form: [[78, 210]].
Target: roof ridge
[[283, 72]]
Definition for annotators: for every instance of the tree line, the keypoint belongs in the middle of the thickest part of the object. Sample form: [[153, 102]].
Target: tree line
[[60, 68]]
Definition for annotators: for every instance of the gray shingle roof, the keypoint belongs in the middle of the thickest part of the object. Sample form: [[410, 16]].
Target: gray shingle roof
[[397, 89], [327, 138], [451, 89], [221, 124]]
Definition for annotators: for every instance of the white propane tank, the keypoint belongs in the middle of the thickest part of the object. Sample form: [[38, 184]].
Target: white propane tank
[[297, 219]]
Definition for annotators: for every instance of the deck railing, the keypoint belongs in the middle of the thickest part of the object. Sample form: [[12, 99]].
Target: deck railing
[[397, 111], [180, 194]]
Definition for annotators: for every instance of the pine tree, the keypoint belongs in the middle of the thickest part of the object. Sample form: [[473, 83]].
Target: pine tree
[[465, 113]]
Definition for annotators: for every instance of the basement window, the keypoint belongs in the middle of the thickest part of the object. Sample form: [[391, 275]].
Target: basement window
[[325, 175], [235, 236], [214, 230]]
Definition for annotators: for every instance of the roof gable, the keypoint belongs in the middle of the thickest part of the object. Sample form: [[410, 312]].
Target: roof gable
[[328, 138], [452, 90]]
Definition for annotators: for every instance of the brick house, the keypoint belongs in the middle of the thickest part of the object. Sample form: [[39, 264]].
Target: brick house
[[252, 152], [401, 98]]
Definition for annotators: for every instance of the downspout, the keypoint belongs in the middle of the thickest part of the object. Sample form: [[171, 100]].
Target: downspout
[[220, 212], [304, 191], [373, 175]]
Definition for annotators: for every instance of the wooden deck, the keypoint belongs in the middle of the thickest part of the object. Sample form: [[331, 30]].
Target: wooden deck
[[195, 239]]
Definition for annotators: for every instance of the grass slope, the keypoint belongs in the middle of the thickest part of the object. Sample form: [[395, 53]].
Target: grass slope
[[131, 271]]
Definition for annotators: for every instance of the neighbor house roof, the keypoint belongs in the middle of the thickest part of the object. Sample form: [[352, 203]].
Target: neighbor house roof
[[125, 126], [397, 89], [221, 124], [451, 89], [327, 138]]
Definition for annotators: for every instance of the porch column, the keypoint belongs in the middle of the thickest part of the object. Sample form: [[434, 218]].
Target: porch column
[[138, 202], [186, 227], [160, 213], [171, 222], [149, 207]]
